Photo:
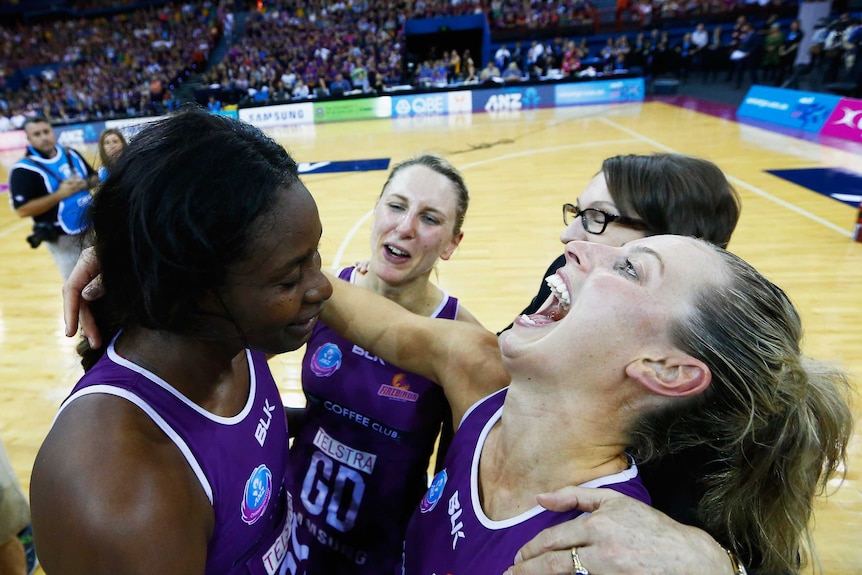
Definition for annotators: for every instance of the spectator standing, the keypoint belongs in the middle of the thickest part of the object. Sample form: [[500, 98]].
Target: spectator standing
[[746, 56], [789, 51], [51, 184], [736, 35], [454, 71], [502, 56], [470, 76], [772, 45], [714, 56], [700, 37], [685, 52], [111, 145], [700, 40]]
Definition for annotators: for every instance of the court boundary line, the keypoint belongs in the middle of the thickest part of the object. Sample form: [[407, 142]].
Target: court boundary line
[[14, 227], [737, 182]]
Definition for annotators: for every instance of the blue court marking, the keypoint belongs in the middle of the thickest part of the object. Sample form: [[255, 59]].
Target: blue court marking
[[846, 187], [344, 166]]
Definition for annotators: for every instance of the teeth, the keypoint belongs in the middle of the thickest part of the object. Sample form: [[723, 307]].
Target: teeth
[[396, 251], [528, 319], [559, 289]]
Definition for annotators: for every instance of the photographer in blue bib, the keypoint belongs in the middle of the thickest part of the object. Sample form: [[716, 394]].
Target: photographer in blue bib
[[51, 184]]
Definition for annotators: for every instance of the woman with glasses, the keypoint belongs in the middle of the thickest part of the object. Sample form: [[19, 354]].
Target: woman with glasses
[[632, 197], [664, 343], [636, 196]]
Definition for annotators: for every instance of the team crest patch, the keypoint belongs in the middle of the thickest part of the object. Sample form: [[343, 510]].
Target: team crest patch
[[399, 390], [326, 360], [434, 493], [258, 490]]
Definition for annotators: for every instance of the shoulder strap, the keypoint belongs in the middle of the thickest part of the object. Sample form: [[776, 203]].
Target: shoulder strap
[[69, 158], [57, 176]]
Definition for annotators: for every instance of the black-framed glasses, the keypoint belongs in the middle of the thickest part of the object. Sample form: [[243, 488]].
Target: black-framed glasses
[[596, 221]]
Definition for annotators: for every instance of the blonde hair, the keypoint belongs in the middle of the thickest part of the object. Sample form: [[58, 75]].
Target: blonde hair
[[777, 421], [445, 168]]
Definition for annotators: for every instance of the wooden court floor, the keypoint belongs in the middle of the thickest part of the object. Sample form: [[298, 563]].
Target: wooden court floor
[[520, 167]]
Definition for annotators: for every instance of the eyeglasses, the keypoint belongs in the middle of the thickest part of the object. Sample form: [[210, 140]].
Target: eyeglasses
[[596, 221]]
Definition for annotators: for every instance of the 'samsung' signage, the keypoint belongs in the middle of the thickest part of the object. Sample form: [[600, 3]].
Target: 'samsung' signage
[[279, 115], [792, 108]]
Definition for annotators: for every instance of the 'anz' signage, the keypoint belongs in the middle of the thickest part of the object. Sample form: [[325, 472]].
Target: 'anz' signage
[[512, 99]]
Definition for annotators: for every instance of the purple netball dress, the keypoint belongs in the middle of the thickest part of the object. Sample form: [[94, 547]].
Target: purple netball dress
[[358, 467], [240, 461], [450, 534]]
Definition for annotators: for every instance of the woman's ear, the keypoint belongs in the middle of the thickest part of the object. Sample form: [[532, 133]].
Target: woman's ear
[[452, 247], [678, 375]]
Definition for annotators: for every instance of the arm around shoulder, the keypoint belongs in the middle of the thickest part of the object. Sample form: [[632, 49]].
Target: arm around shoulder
[[460, 356], [619, 536]]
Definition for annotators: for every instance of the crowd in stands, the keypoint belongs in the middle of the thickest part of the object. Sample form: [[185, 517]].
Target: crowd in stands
[[763, 51], [648, 12], [285, 54], [131, 63], [103, 67]]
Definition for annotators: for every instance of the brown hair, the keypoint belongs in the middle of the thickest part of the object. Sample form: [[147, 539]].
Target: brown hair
[[108, 161], [674, 194]]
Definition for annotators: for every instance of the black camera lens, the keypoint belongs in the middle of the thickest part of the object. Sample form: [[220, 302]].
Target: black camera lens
[[34, 240], [42, 232]]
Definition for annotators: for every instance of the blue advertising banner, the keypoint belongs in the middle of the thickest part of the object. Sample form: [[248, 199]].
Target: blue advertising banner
[[792, 108], [79, 134], [513, 98], [434, 104], [599, 92]]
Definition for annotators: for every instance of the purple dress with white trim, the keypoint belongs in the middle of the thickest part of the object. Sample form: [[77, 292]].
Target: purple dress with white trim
[[239, 461], [450, 534], [359, 464]]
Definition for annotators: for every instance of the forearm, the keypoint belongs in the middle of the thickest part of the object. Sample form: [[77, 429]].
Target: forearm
[[382, 327], [461, 357], [38, 206], [41, 204]]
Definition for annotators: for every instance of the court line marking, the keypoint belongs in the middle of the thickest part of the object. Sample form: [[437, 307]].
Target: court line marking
[[336, 261], [15, 227], [737, 182]]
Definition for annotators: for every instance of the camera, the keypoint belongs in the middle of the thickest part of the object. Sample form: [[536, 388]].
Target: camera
[[42, 232]]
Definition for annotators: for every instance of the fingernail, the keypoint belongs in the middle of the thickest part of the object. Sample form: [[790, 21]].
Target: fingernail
[[518, 558]]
